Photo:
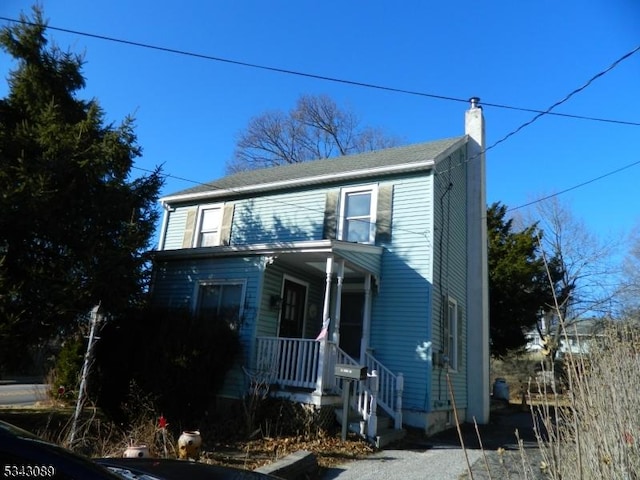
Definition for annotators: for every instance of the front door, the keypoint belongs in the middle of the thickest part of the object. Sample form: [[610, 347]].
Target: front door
[[294, 296], [351, 314]]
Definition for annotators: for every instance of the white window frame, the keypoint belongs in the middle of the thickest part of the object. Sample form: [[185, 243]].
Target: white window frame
[[221, 282], [197, 241], [373, 207], [452, 340]]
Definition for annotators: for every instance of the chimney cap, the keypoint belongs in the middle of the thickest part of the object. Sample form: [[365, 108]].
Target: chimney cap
[[475, 101]]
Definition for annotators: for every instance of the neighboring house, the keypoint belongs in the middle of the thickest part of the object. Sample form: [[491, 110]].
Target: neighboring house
[[376, 259], [574, 339]]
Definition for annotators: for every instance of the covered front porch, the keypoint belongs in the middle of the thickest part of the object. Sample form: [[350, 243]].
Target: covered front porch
[[318, 301]]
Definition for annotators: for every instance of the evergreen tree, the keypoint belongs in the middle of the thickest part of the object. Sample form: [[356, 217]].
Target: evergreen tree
[[74, 223], [519, 287]]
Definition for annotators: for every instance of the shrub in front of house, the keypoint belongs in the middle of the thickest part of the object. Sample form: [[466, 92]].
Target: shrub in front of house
[[176, 360]]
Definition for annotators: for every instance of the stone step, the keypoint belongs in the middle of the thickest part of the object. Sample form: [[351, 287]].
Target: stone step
[[386, 433]]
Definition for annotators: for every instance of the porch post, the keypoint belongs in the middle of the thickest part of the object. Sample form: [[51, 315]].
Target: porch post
[[338, 304], [366, 319], [323, 351]]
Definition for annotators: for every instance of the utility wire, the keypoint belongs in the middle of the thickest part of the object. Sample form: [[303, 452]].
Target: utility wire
[[317, 76], [608, 174], [547, 112], [539, 113], [526, 124], [574, 92]]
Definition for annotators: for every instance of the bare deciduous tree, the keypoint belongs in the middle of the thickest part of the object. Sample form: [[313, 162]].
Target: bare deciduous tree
[[589, 285], [316, 128], [631, 276]]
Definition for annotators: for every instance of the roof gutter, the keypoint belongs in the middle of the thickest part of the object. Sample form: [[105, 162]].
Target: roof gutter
[[299, 182]]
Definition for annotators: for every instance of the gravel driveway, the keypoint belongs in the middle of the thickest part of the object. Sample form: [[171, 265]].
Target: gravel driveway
[[440, 457]]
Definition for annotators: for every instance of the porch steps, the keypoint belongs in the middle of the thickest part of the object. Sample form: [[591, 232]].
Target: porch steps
[[386, 433]]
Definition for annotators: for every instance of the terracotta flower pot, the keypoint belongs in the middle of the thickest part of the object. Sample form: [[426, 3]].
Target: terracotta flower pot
[[189, 444]]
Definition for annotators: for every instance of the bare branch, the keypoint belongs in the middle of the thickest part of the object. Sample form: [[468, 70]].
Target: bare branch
[[316, 128]]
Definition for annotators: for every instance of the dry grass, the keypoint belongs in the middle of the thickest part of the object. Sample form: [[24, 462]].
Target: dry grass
[[592, 430], [596, 435]]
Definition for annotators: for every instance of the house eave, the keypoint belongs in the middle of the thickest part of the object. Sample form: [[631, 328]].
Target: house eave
[[424, 165], [266, 249]]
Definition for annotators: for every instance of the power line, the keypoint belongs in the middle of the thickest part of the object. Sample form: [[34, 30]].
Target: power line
[[548, 110], [567, 97], [604, 175], [539, 113], [317, 76], [535, 118]]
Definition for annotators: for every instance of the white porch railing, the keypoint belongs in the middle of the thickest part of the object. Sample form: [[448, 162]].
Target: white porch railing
[[389, 389], [294, 362], [291, 362]]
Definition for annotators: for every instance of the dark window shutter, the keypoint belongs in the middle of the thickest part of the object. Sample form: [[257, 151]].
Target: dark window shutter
[[330, 228], [383, 214], [190, 225], [225, 228], [460, 339], [445, 325]]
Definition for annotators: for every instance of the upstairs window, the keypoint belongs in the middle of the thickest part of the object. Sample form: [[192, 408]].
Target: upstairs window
[[208, 226], [358, 215]]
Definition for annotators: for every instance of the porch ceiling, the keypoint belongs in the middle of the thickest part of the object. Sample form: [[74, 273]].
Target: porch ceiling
[[311, 258]]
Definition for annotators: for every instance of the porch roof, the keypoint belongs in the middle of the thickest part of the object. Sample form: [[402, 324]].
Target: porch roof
[[306, 255]]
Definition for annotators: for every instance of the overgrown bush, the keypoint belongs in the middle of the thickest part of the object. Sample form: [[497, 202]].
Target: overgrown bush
[[66, 372], [175, 358]]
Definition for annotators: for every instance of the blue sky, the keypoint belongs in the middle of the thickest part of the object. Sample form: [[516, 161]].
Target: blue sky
[[522, 54]]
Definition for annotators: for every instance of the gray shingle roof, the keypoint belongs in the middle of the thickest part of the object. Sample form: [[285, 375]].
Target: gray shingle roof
[[405, 155]]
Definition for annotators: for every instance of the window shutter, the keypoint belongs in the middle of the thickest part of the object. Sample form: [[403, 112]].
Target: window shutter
[[445, 326], [225, 229], [190, 226], [383, 214], [330, 226], [460, 339]]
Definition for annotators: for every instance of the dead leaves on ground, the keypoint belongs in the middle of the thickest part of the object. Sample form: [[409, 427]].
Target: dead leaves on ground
[[252, 454]]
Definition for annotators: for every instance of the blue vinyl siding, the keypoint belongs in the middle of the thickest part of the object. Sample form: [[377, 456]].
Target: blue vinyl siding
[[174, 235], [401, 309], [175, 285], [289, 217], [450, 268], [425, 259]]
